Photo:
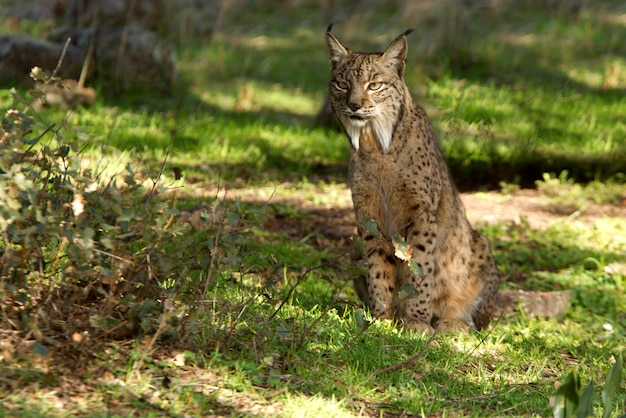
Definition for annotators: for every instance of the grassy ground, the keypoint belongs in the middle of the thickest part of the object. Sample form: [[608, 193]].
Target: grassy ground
[[515, 91]]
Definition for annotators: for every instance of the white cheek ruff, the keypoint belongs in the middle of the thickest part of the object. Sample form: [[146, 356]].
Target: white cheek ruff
[[353, 129], [381, 128]]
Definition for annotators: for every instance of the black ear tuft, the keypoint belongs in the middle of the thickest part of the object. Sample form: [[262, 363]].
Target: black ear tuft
[[329, 28], [407, 32]]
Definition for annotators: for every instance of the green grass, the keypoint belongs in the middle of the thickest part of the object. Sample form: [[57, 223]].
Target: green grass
[[528, 96], [531, 93]]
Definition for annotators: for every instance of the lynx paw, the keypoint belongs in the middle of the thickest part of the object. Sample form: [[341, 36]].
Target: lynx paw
[[419, 327]]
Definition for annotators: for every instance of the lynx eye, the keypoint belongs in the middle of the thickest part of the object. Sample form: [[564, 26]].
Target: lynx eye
[[374, 86], [342, 85]]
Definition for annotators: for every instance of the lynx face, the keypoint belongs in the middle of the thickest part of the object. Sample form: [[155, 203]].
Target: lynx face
[[363, 89]]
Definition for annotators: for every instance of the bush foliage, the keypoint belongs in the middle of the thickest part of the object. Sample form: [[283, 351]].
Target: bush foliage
[[88, 244]]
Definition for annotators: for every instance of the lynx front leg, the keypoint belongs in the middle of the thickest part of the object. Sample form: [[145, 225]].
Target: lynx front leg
[[380, 275], [417, 310]]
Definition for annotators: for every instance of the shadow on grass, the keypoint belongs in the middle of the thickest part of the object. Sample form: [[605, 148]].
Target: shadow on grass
[[530, 54], [287, 59], [267, 353], [506, 46], [428, 384]]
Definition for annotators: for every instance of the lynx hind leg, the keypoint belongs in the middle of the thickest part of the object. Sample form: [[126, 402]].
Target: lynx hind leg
[[466, 298], [486, 271], [453, 309], [487, 307]]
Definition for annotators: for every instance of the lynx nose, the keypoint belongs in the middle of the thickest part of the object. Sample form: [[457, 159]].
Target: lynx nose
[[354, 106]]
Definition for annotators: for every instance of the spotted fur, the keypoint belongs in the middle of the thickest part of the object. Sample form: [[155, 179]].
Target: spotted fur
[[399, 179]]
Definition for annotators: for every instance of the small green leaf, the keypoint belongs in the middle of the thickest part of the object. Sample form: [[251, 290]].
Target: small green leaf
[[107, 242], [98, 321], [359, 244], [232, 218], [371, 226], [612, 384], [40, 350], [190, 355], [566, 398], [415, 268], [88, 233], [126, 216], [408, 291], [283, 331], [53, 342], [585, 406], [360, 320]]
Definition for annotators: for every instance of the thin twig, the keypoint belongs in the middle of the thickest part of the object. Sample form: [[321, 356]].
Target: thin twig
[[233, 325], [487, 335], [319, 318], [299, 281], [156, 180], [89, 55], [209, 272], [173, 134], [379, 316], [151, 340], [293, 288], [419, 355], [117, 257], [48, 129], [58, 67]]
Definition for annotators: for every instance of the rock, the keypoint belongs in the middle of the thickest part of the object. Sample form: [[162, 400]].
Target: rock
[[126, 57], [113, 13], [181, 20], [534, 304], [19, 54], [127, 53], [22, 10]]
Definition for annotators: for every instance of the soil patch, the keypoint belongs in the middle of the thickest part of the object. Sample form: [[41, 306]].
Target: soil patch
[[333, 225]]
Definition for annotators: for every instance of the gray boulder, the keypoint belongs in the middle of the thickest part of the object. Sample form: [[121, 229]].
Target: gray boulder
[[19, 54], [126, 57]]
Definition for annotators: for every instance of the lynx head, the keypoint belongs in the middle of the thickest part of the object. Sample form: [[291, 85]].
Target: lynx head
[[368, 89]]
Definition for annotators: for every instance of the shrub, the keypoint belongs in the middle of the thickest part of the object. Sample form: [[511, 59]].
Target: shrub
[[92, 245]]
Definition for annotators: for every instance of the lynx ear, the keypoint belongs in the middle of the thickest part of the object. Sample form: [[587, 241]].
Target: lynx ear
[[395, 54], [335, 49]]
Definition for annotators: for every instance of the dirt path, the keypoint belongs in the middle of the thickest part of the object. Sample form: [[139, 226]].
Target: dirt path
[[538, 211], [327, 210]]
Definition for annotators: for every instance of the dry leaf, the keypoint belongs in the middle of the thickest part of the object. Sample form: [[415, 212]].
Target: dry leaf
[[402, 250], [78, 205], [179, 359]]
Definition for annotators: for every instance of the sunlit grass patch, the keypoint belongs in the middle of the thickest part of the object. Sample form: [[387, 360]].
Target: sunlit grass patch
[[263, 317], [315, 406]]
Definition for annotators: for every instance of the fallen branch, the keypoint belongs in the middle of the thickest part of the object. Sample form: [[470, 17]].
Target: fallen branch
[[416, 357]]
